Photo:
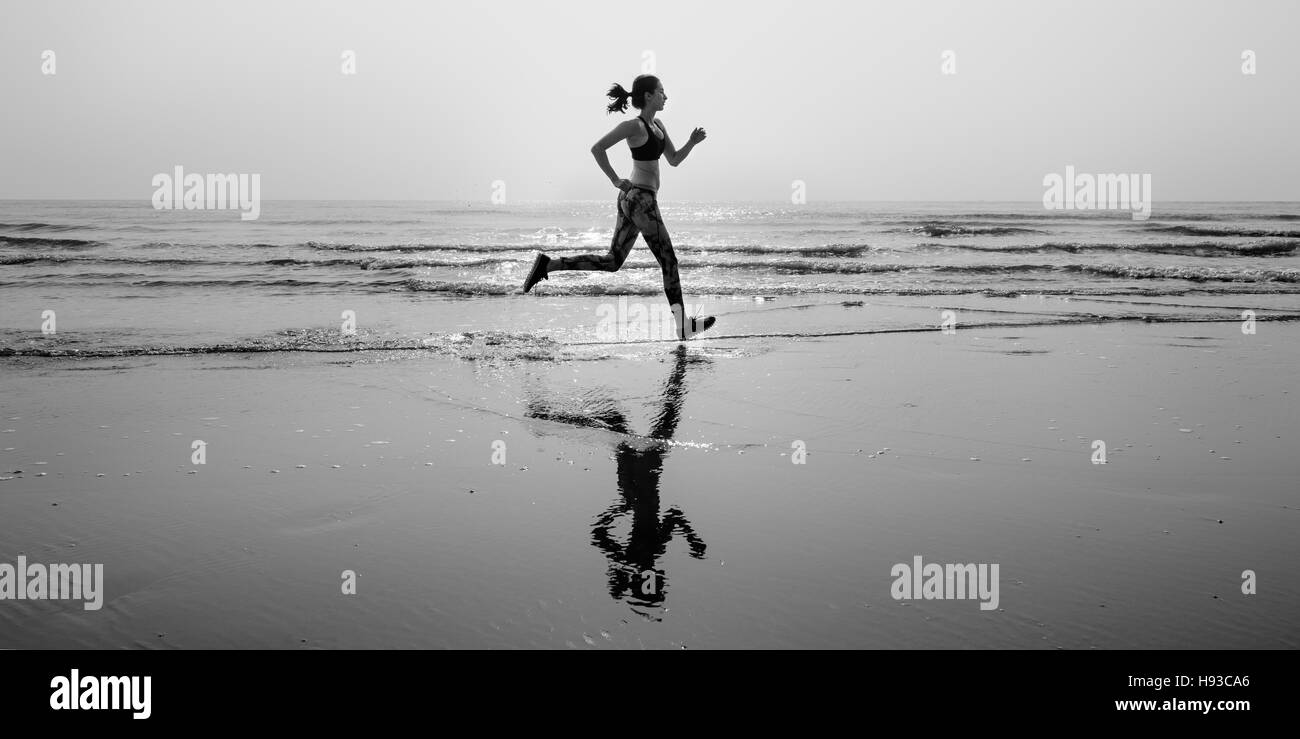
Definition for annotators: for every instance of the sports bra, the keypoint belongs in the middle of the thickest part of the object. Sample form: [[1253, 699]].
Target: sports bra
[[652, 149]]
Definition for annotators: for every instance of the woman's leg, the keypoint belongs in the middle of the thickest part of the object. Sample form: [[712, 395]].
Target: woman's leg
[[625, 231], [643, 210]]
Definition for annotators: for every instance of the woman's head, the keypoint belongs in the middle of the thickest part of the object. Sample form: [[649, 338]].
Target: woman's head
[[647, 92]]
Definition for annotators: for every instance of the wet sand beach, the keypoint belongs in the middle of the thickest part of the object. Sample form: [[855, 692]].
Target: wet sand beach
[[511, 490]]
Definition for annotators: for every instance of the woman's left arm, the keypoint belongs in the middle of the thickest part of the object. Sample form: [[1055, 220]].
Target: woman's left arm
[[672, 153]]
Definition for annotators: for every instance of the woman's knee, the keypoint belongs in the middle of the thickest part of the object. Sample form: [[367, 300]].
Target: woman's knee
[[613, 260]]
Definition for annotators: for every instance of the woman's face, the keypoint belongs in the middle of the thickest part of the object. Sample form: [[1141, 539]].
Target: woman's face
[[658, 98]]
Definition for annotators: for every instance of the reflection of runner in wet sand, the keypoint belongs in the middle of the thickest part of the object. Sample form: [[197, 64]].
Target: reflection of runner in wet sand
[[632, 565], [638, 205]]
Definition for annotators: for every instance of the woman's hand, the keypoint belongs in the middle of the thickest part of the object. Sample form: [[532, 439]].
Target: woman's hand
[[623, 185], [698, 135]]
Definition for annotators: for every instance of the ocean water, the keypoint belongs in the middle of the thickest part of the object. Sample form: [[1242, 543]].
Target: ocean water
[[125, 278]]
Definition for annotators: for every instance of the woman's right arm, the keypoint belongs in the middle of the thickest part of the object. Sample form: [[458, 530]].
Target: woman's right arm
[[620, 132]]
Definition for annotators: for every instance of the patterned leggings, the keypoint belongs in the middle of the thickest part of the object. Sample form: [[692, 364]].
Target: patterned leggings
[[638, 212]]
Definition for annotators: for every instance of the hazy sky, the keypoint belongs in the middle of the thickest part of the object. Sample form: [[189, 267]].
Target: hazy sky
[[846, 96]]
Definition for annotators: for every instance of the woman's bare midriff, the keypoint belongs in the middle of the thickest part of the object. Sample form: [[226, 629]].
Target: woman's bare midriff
[[645, 174]]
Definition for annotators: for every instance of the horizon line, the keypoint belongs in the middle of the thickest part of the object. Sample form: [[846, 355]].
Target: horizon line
[[601, 200]]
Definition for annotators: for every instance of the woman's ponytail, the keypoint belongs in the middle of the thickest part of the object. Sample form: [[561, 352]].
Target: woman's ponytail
[[620, 96]]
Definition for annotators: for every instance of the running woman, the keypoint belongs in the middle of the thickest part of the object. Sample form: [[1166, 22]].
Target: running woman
[[637, 209]]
